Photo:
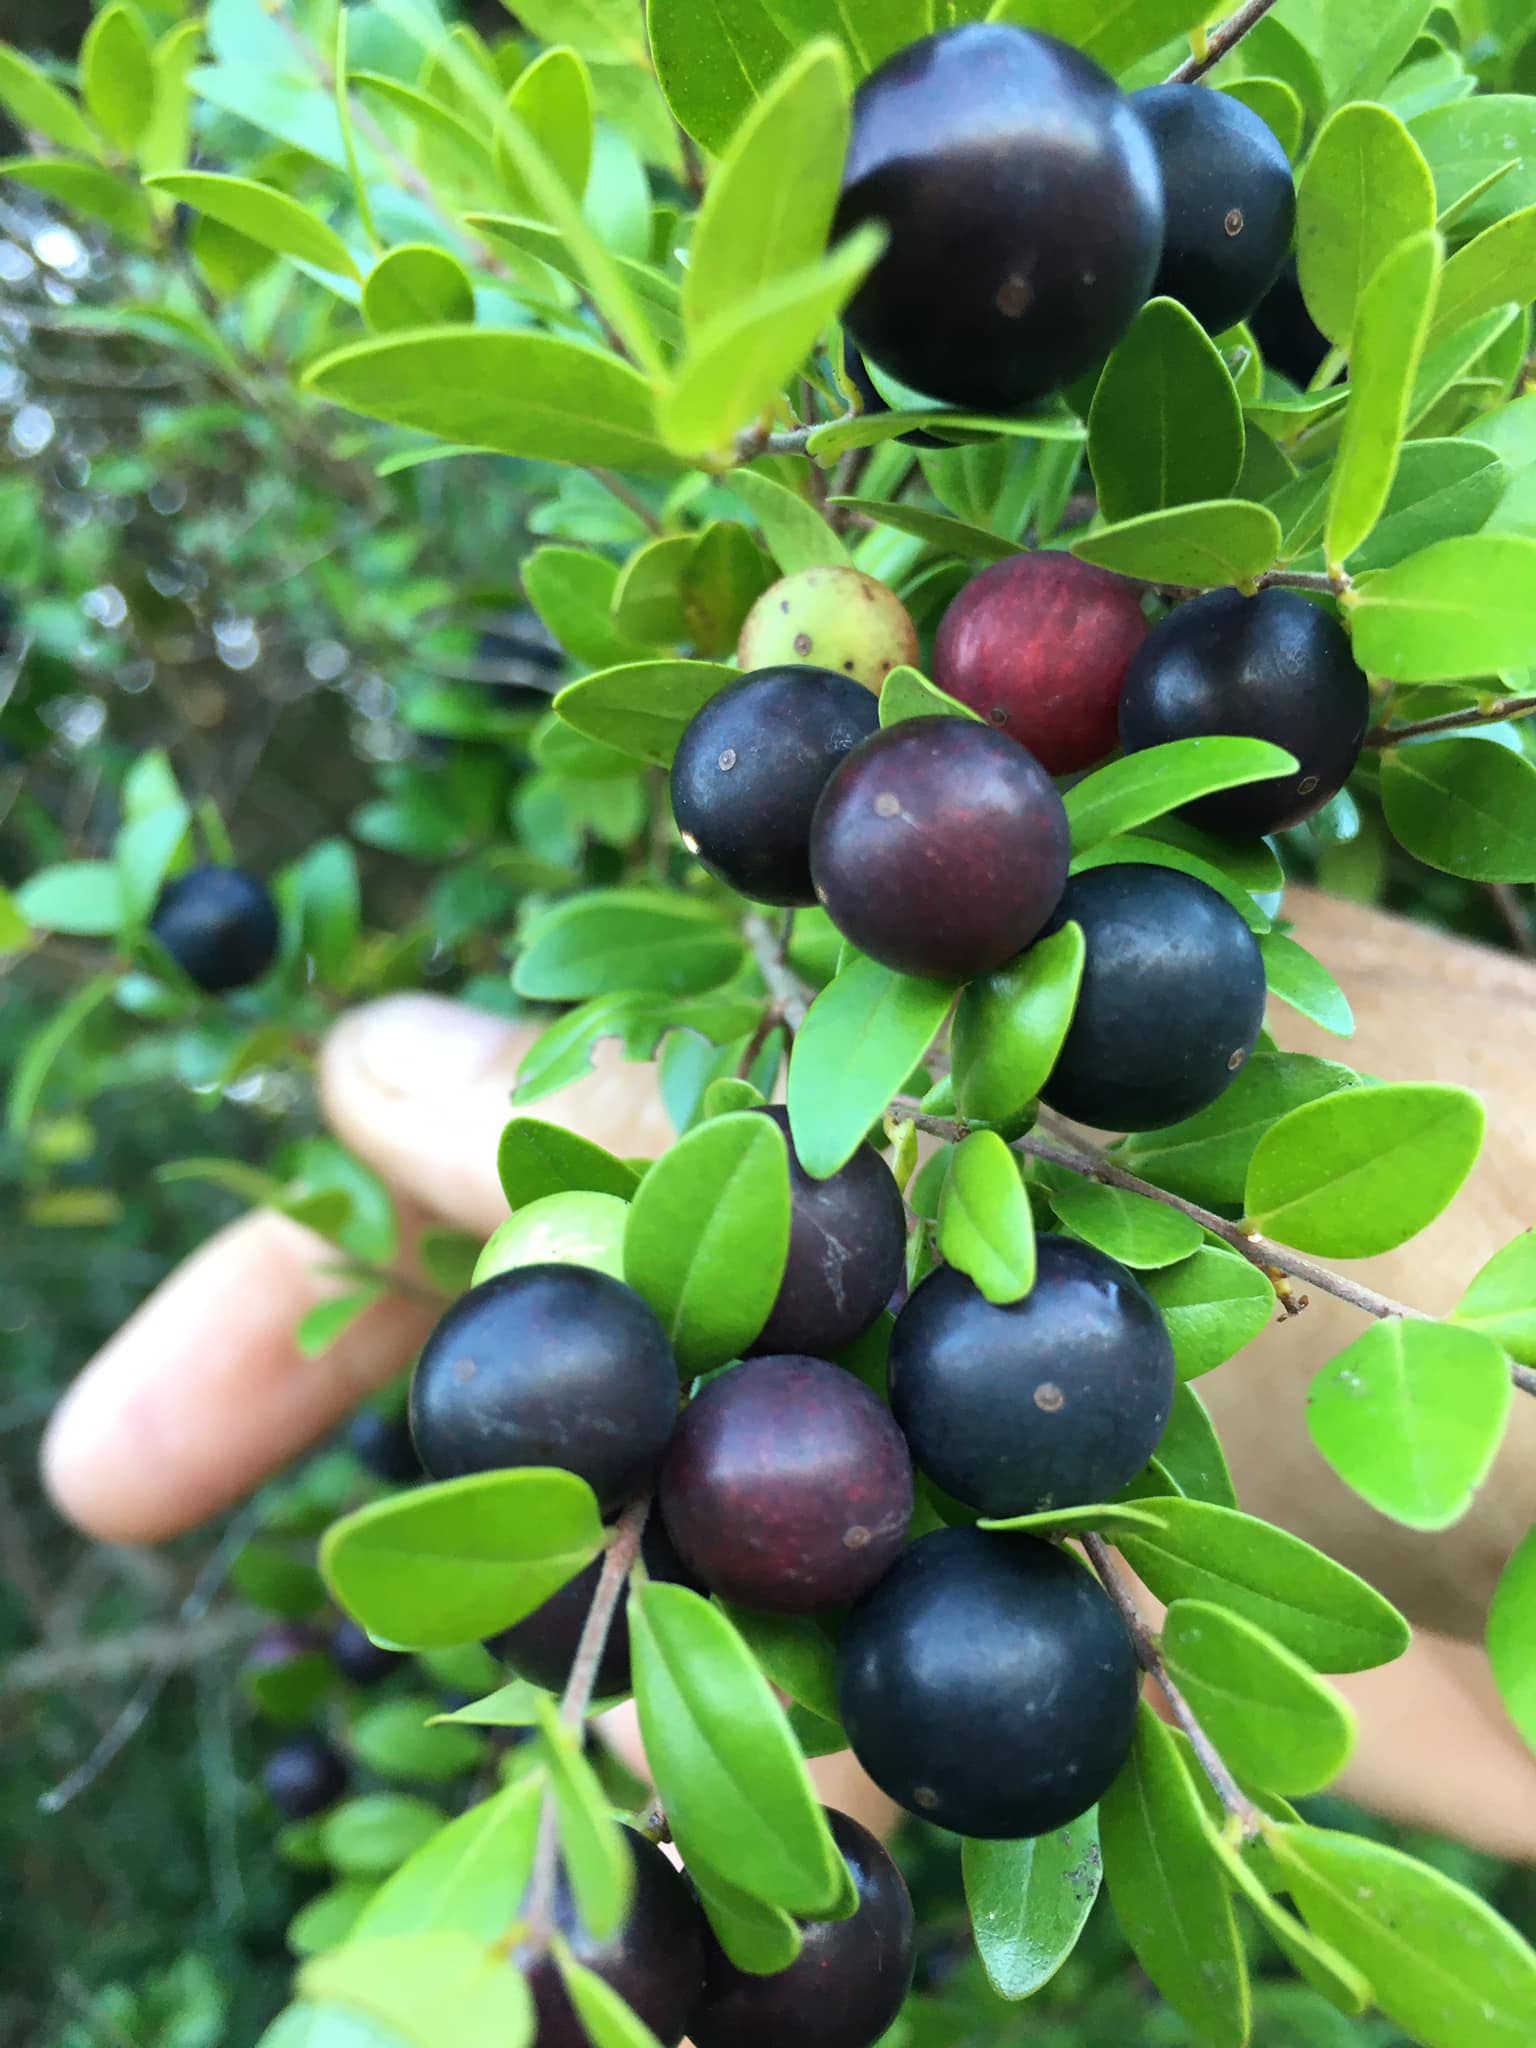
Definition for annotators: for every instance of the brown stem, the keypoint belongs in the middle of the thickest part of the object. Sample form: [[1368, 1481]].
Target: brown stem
[[1451, 721], [1150, 1657], [791, 997], [625, 493], [1517, 919], [1227, 37]]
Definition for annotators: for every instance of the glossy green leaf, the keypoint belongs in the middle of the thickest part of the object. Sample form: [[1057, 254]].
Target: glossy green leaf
[[655, 294], [445, 1564], [572, 590], [609, 940], [1116, 35], [739, 360], [1297, 978], [552, 98], [1168, 1891], [1496, 268], [724, 577], [1465, 141], [1009, 1026], [986, 1225], [708, 1236], [1165, 426], [607, 31], [367, 1837], [1139, 787], [647, 602], [435, 1990], [756, 1937], [710, 99], [1277, 105], [261, 213], [1322, 1613], [1206, 1157], [417, 285], [40, 105], [1464, 607], [82, 897], [862, 1037], [1344, 236], [328, 1919], [1213, 1303], [535, 1159], [643, 707], [954, 536], [1411, 1415], [1363, 1171], [906, 693], [1189, 1453], [726, 1766], [797, 535], [144, 853], [396, 1740], [594, 1851], [1444, 1965], [511, 391], [1442, 488], [1501, 1302], [1132, 1228], [1224, 540], [1273, 1722], [758, 224], [1391, 325], [1465, 806], [1512, 1638], [117, 72], [1111, 1518], [1028, 1902]]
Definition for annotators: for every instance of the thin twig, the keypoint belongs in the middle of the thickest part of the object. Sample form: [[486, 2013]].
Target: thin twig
[[1238, 1805], [1220, 40], [1451, 721], [163, 1646], [1517, 919], [791, 996], [626, 495]]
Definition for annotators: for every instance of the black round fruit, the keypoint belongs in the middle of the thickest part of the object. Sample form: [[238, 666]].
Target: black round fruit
[[1025, 213], [750, 767], [1229, 198], [359, 1658], [547, 1365], [1171, 1001], [988, 1684], [1271, 667], [940, 848], [542, 1647], [304, 1776], [1049, 1402], [219, 925], [847, 1244], [787, 1487], [847, 1984], [382, 1445], [655, 1961], [1289, 338]]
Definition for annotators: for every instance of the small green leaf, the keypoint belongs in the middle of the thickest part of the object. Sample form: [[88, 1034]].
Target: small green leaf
[[535, 1159], [367, 1837], [1110, 1519], [708, 1236], [552, 98], [1313, 1958], [81, 897], [319, 1327], [1466, 806], [572, 590], [797, 1653], [1277, 106], [1127, 847], [756, 1937], [86, 188], [1501, 1302], [1390, 329], [1189, 1452], [1010, 1026], [906, 693], [1206, 1157], [1496, 268], [1411, 1415], [644, 707], [647, 605], [15, 933], [1168, 1891], [1274, 1723], [605, 2019], [330, 1917], [1363, 1171], [432, 1990], [117, 72], [261, 213], [1029, 1901], [1341, 241], [1512, 1637], [417, 285], [954, 536], [862, 1037], [447, 1563], [396, 1740], [614, 939], [710, 99], [1134, 1229], [1464, 607], [797, 535], [1318, 1610], [1115, 36], [986, 1225], [1442, 488], [1165, 426], [1445, 1967], [1213, 1303], [40, 1054], [606, 31], [40, 105], [724, 577], [726, 1766], [1223, 540], [1138, 787], [595, 1852]]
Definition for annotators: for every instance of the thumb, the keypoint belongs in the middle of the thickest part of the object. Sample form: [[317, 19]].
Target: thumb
[[421, 1088]]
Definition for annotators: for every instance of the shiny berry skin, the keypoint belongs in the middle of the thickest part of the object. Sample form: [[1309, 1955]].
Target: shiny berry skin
[[1229, 198], [655, 1961], [1272, 667], [359, 1658], [847, 1246], [542, 1647], [847, 1984], [1039, 646], [1049, 1402], [219, 925], [1289, 339], [382, 1445], [787, 1486], [1171, 1001], [305, 1776], [988, 1684], [1025, 212], [547, 1365], [940, 848], [750, 767]]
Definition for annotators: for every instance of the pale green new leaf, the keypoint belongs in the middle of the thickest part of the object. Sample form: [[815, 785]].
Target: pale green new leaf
[[1464, 607], [1496, 268], [1366, 188], [986, 1226], [260, 212], [117, 72], [1501, 1302]]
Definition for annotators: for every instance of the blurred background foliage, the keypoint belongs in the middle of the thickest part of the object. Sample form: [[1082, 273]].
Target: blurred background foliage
[[324, 655]]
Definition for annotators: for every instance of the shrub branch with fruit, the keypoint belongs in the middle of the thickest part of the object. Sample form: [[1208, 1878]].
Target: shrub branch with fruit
[[1096, 456]]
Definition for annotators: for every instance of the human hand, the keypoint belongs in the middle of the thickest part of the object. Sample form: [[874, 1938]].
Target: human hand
[[203, 1392]]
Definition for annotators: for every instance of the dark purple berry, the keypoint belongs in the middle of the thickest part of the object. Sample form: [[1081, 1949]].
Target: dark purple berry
[[359, 1658], [382, 1445], [1290, 339], [305, 1776], [219, 925]]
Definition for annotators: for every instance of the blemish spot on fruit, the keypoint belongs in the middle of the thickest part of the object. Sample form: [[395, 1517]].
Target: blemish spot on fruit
[[1236, 1060], [802, 643], [887, 804], [856, 1537], [1234, 221], [848, 665], [997, 715], [1306, 785], [464, 1370], [728, 760], [783, 604], [1049, 1398], [1013, 299], [924, 1796]]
